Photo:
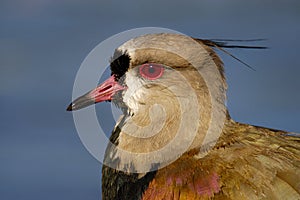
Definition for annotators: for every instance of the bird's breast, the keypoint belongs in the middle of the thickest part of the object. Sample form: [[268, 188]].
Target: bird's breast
[[186, 178]]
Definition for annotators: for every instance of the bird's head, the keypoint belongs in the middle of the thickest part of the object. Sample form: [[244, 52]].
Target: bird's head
[[171, 89]]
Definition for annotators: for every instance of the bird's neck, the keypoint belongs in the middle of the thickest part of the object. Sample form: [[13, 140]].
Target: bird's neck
[[159, 135]]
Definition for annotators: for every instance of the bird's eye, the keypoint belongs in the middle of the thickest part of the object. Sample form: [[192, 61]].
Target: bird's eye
[[151, 71]]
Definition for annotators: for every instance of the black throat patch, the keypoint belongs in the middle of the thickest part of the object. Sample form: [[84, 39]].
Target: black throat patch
[[118, 184]]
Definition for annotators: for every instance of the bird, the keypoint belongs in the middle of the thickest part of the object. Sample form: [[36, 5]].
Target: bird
[[176, 138]]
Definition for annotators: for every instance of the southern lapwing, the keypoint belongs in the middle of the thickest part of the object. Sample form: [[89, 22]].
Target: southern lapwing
[[172, 90]]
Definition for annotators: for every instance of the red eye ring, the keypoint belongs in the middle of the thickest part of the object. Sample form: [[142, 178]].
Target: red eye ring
[[151, 71]]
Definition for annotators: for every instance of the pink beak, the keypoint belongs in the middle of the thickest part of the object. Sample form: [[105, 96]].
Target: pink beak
[[103, 92]]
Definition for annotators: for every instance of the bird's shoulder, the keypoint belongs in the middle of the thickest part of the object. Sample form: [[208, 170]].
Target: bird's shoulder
[[248, 162]]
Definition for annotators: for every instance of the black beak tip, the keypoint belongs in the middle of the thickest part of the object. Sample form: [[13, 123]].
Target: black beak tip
[[70, 107], [80, 103]]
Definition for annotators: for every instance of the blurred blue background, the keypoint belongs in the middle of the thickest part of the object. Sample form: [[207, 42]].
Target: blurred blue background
[[43, 42]]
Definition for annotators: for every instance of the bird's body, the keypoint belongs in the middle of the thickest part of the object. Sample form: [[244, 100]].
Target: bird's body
[[185, 78], [248, 162]]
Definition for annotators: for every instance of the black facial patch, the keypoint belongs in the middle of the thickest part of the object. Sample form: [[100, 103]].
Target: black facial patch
[[119, 64]]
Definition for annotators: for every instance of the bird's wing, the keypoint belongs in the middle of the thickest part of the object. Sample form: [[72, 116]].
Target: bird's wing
[[248, 162], [265, 163]]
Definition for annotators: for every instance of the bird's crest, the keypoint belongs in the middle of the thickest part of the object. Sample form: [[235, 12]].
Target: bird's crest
[[221, 44]]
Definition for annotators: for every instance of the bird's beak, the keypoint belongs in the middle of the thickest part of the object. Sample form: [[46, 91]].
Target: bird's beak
[[103, 92]]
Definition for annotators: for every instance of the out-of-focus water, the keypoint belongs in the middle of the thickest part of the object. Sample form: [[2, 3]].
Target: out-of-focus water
[[42, 44]]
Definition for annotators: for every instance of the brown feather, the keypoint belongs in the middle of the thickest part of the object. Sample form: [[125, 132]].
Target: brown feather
[[248, 162]]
